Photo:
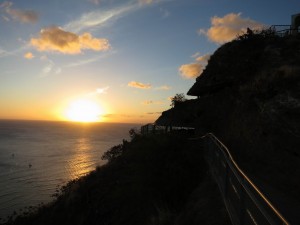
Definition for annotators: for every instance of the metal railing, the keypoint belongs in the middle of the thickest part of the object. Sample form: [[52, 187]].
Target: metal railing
[[245, 203], [152, 128], [283, 30]]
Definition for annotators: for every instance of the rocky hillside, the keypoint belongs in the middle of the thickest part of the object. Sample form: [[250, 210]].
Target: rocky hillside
[[249, 96]]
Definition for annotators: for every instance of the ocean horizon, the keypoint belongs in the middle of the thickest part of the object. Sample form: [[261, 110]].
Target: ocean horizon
[[37, 157]]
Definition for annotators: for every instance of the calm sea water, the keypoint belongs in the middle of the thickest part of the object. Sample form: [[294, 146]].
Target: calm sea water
[[36, 157]]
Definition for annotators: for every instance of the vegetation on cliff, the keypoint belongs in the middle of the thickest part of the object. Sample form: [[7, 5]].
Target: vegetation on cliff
[[249, 96], [158, 179]]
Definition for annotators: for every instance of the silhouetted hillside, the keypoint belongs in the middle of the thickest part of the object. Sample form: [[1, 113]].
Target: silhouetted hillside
[[249, 96], [152, 180]]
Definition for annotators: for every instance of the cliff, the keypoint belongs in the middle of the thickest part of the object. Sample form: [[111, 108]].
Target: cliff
[[249, 96]]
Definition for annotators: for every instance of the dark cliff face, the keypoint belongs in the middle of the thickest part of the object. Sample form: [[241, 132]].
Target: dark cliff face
[[255, 110], [242, 61]]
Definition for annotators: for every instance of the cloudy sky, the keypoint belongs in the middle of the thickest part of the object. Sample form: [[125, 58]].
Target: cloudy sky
[[126, 56]]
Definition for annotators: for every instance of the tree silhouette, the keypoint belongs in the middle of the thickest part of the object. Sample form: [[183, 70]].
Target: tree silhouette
[[177, 98]]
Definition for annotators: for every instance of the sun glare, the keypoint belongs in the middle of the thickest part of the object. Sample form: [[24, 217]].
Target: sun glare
[[84, 111]]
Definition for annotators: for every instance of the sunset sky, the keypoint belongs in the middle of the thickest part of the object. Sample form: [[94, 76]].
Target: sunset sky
[[124, 57]]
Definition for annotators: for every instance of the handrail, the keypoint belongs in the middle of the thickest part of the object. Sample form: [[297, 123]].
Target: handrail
[[259, 208], [244, 180], [152, 128], [284, 30]]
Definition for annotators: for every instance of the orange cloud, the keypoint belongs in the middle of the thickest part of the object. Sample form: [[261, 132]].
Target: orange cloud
[[57, 40], [225, 29], [88, 42], [139, 85], [191, 70], [164, 87], [28, 55], [23, 16], [203, 59]]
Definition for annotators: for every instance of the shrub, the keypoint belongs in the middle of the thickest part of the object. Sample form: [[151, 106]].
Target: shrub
[[113, 153]]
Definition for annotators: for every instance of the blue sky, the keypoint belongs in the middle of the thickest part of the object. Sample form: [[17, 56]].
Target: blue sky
[[127, 56]]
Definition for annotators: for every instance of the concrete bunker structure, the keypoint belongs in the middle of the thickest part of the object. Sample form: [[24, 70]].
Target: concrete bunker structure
[[295, 24]]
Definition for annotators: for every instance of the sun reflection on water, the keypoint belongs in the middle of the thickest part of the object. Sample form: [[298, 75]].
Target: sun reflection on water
[[81, 162]]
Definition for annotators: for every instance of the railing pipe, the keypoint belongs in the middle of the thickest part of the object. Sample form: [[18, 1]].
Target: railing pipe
[[245, 189], [245, 203]]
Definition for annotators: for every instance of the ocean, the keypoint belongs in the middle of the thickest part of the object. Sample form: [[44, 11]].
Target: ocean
[[37, 157]]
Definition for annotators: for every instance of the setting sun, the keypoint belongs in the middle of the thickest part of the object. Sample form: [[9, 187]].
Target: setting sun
[[84, 111]]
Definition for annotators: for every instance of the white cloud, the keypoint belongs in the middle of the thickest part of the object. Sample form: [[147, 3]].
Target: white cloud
[[148, 2], [96, 2], [47, 69], [82, 62], [50, 67], [5, 53], [58, 40], [195, 55], [89, 60], [102, 90], [224, 29], [97, 18], [99, 91], [16, 52], [145, 1], [136, 84], [101, 17]]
